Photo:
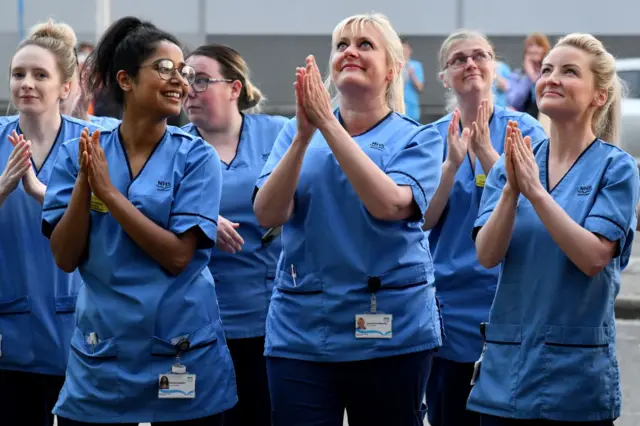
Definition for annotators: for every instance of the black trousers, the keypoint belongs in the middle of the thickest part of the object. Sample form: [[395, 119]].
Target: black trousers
[[26, 399], [254, 404]]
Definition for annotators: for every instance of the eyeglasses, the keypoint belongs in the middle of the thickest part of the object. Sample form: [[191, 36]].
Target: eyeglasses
[[201, 84], [459, 61], [166, 69]]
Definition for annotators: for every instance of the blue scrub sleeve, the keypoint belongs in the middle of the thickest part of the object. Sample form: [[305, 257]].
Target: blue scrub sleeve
[[61, 183], [496, 180], [197, 199], [419, 165], [419, 72], [280, 146], [613, 214]]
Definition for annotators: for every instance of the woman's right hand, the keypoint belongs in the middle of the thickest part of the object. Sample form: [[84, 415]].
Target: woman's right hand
[[305, 128], [509, 141], [228, 239], [456, 144], [83, 155], [18, 164]]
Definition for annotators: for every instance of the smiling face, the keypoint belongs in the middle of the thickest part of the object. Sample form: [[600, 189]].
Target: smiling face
[[157, 88], [566, 88], [470, 67], [359, 60], [36, 84]]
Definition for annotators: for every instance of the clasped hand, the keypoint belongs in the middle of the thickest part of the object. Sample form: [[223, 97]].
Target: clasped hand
[[523, 174], [313, 103], [94, 169]]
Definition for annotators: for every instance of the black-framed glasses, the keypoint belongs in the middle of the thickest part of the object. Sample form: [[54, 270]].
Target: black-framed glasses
[[201, 83], [166, 69], [460, 60]]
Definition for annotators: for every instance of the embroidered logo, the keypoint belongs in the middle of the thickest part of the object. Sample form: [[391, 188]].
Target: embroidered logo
[[163, 185], [377, 145], [584, 190], [265, 156]]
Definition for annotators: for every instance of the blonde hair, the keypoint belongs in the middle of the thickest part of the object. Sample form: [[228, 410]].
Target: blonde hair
[[606, 119], [59, 39], [234, 67], [460, 35], [394, 95]]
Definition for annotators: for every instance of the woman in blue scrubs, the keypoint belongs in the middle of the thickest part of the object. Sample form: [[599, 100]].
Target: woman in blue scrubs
[[559, 218], [37, 300], [353, 320], [244, 261], [464, 288], [135, 209]]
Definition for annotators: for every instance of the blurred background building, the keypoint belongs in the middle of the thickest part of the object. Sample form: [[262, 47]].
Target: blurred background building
[[275, 36]]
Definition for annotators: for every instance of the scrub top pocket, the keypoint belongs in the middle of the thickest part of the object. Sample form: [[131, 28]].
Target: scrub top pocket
[[580, 370], [498, 379], [96, 366]]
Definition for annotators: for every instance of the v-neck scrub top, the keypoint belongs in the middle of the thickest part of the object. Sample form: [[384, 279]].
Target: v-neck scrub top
[[37, 299], [244, 280], [550, 342], [137, 310], [464, 288], [336, 249]]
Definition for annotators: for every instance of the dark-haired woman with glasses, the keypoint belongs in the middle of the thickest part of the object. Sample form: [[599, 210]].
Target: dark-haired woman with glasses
[[136, 210], [244, 262]]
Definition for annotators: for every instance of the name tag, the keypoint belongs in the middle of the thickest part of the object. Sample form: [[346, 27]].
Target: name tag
[[480, 180], [97, 205], [175, 386], [374, 326]]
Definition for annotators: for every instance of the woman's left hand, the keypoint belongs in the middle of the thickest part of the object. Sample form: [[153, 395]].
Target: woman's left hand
[[99, 179], [526, 168], [317, 103]]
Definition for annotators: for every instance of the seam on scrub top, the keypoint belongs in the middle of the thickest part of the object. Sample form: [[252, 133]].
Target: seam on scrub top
[[194, 214], [608, 220], [55, 208]]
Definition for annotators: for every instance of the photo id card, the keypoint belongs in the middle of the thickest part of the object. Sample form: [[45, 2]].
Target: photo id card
[[373, 326], [172, 385]]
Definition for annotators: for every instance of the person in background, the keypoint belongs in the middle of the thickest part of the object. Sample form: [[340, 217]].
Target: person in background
[[464, 288], [413, 76], [350, 187], [501, 84], [559, 217], [37, 299], [243, 263], [135, 209], [521, 93]]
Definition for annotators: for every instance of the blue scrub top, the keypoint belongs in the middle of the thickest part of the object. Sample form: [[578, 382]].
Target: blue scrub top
[[336, 247], [465, 288], [551, 337], [105, 122], [244, 281], [136, 309], [37, 299]]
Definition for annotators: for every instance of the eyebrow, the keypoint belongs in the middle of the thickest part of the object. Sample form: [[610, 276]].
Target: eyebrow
[[570, 65]]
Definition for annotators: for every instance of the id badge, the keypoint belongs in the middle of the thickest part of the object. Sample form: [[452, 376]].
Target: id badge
[[97, 205], [374, 326], [177, 386]]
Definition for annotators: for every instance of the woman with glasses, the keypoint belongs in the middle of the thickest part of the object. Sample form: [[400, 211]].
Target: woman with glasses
[[135, 209], [244, 261], [464, 288]]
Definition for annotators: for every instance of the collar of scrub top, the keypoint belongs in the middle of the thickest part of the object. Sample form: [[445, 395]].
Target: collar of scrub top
[[473, 169], [242, 125], [55, 141], [545, 169], [337, 114]]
